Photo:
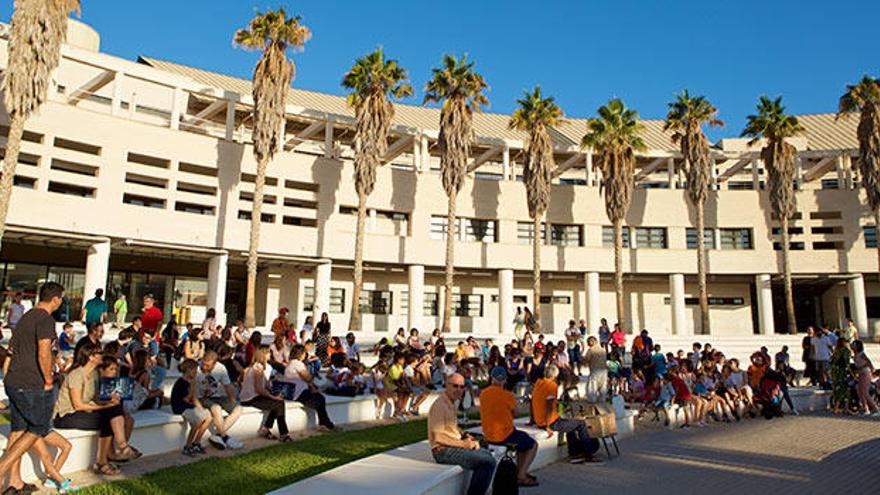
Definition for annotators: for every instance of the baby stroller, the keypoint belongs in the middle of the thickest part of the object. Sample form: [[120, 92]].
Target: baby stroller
[[769, 396]]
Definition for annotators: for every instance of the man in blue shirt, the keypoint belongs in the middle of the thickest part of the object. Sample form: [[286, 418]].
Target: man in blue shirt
[[659, 361]]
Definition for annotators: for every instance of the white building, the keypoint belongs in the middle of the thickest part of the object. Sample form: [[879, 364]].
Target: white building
[[138, 177]]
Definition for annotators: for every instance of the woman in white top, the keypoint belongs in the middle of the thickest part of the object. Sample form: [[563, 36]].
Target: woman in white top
[[255, 393], [209, 326], [306, 393], [307, 330], [279, 354], [865, 369]]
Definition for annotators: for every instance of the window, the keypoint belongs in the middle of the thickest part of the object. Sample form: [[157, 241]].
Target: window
[[438, 228], [264, 217], [196, 189], [566, 235], [270, 181], [870, 237], [825, 215], [302, 222], [740, 185], [74, 168], [791, 230], [197, 169], [608, 237], [69, 144], [479, 230], [376, 302], [826, 230], [555, 300], [193, 208], [708, 238], [573, 182], [431, 306], [651, 237], [713, 301], [71, 190], [524, 232], [823, 245], [830, 184], [873, 304], [150, 161], [145, 180], [337, 299], [133, 199], [736, 238], [467, 305], [794, 246], [249, 197], [24, 182]]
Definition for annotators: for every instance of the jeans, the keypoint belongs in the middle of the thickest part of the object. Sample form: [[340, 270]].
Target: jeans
[[316, 401], [480, 462], [579, 442], [158, 373], [597, 385], [31, 409], [275, 412]]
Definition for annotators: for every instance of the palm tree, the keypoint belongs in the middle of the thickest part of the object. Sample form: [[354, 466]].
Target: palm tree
[[39, 27], [271, 32], [686, 118], [864, 97], [373, 82], [615, 135], [459, 89], [536, 115], [771, 123]]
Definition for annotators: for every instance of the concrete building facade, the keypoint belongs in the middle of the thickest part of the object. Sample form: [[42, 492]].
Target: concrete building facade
[[137, 177]]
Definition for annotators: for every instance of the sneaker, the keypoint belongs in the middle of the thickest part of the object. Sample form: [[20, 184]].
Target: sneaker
[[198, 449], [233, 443], [576, 460], [217, 442], [794, 412], [684, 426], [188, 451], [66, 487], [593, 460], [701, 424]]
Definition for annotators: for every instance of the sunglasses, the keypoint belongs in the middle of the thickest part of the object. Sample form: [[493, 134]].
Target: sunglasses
[[455, 385]]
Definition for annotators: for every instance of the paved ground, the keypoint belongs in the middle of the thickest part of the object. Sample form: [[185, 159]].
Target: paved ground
[[803, 454]]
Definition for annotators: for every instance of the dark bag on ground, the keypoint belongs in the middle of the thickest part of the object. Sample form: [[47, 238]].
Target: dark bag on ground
[[505, 477]]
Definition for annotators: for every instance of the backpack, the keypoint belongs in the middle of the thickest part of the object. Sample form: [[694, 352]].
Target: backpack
[[505, 477]]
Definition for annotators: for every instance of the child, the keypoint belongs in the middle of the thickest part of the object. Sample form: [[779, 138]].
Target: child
[[396, 386], [185, 403], [358, 380], [340, 377], [415, 383], [665, 398], [377, 377], [152, 397], [312, 362], [66, 343]]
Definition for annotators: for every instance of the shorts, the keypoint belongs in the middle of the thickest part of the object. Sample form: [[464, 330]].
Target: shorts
[[522, 440], [31, 410], [195, 416], [224, 402], [822, 366]]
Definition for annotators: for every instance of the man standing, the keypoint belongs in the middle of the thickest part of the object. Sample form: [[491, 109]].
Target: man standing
[[281, 325], [851, 333], [151, 316], [449, 445], [597, 360], [572, 338], [120, 308], [822, 348], [95, 310], [545, 410], [28, 383], [497, 409], [15, 312], [218, 396]]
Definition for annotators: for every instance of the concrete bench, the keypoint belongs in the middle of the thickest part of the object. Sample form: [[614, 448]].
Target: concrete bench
[[415, 471], [159, 431]]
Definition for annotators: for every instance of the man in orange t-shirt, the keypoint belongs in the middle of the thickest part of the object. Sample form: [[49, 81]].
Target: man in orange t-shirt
[[545, 410], [497, 408]]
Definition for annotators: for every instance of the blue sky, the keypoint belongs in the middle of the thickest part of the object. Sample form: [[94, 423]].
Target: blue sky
[[582, 52]]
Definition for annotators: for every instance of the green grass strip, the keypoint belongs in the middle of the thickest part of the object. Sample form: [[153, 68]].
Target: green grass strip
[[269, 468]]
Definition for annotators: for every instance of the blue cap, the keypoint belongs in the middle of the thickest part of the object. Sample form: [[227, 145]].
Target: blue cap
[[499, 373]]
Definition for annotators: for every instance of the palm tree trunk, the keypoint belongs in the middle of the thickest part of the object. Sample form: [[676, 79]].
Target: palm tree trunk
[[256, 220], [13, 146], [786, 267], [537, 241], [876, 234], [450, 262], [355, 323], [701, 270], [618, 272]]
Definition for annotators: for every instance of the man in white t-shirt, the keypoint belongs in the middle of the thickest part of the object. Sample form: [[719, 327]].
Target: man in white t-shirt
[[217, 395], [352, 349], [822, 347]]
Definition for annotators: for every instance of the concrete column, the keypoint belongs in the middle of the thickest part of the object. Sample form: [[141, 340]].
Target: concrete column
[[858, 308], [756, 175], [505, 299], [505, 163], [841, 174], [371, 227], [116, 103], [670, 170], [177, 105], [217, 266], [847, 165], [591, 284], [417, 152], [322, 290], [328, 137], [764, 290], [416, 296], [426, 153], [798, 173], [230, 117], [97, 266], [132, 105], [713, 174], [677, 304]]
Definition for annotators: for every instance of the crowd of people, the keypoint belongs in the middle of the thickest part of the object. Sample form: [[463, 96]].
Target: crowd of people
[[56, 382]]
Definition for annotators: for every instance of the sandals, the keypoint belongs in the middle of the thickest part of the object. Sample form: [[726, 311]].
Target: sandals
[[105, 469], [125, 454], [266, 434], [285, 439], [528, 482]]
